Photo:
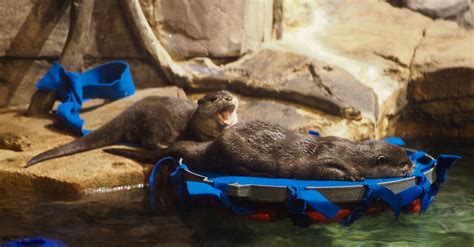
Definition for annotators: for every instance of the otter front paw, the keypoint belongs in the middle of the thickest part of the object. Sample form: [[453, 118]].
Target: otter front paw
[[353, 178]]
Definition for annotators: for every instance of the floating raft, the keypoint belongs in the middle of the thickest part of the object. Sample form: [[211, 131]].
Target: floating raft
[[309, 201]]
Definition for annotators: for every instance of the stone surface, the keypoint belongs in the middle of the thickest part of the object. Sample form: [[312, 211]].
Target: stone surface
[[344, 34], [290, 77], [14, 14], [13, 141], [433, 59], [214, 28], [438, 8], [442, 83], [73, 174]]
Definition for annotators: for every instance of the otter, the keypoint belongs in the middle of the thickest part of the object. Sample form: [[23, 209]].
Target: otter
[[263, 149], [155, 122]]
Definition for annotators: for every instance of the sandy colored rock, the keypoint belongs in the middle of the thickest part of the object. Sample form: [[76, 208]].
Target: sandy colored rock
[[442, 83], [215, 28], [13, 141], [70, 175]]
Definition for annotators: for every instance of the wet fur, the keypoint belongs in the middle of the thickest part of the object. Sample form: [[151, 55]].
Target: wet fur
[[262, 149]]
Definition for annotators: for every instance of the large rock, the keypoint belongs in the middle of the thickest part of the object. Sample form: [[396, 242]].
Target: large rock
[[290, 77], [442, 83], [214, 28], [438, 8], [71, 175]]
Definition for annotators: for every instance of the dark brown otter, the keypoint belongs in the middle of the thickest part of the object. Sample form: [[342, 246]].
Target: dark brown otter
[[262, 149], [156, 122]]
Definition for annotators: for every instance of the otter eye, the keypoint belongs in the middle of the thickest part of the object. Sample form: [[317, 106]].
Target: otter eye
[[381, 160], [213, 99]]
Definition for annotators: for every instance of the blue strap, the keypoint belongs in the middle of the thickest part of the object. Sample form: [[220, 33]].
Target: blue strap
[[299, 199], [377, 192], [374, 192], [395, 141], [444, 162], [314, 133], [157, 167], [176, 177], [417, 155], [111, 81], [202, 189]]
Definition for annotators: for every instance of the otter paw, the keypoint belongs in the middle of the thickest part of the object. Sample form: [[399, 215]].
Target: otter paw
[[353, 178]]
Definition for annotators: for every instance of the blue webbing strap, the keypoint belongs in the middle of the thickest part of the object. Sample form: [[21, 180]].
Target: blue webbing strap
[[374, 192], [112, 80], [314, 133], [395, 141], [156, 168], [299, 199], [444, 162]]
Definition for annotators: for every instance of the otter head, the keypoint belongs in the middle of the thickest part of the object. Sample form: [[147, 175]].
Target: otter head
[[216, 111], [383, 160]]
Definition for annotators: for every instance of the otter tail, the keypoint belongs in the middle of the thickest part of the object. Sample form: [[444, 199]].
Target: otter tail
[[140, 155], [108, 134]]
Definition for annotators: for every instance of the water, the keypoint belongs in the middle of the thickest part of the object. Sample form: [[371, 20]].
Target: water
[[124, 219]]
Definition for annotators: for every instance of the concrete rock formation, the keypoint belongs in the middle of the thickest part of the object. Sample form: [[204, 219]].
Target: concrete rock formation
[[214, 28]]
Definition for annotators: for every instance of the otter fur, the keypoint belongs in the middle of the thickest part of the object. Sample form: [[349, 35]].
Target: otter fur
[[156, 122], [263, 149]]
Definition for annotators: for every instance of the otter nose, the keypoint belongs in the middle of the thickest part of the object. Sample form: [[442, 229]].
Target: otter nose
[[228, 98]]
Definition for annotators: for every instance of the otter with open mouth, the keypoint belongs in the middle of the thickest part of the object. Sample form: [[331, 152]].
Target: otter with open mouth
[[156, 122]]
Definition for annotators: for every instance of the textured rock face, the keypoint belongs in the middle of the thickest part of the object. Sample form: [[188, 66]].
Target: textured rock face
[[442, 87], [289, 77], [438, 8], [214, 28]]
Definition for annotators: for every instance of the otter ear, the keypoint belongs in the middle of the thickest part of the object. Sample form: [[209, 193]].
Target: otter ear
[[381, 160]]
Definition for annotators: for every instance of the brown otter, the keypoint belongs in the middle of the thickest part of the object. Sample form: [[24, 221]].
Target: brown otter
[[262, 149], [156, 122]]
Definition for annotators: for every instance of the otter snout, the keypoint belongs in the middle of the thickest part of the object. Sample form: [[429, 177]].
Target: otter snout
[[407, 168]]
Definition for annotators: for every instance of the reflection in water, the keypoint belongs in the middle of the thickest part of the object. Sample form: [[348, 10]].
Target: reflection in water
[[124, 219]]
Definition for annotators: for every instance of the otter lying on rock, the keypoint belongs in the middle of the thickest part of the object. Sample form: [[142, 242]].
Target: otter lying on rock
[[155, 123], [262, 149]]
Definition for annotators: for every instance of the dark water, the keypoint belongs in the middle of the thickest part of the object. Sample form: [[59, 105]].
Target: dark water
[[124, 219]]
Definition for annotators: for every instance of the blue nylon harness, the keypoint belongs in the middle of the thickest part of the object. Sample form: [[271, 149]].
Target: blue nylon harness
[[111, 81], [301, 199]]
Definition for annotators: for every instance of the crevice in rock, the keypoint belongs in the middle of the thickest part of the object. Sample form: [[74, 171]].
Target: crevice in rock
[[392, 59], [423, 34]]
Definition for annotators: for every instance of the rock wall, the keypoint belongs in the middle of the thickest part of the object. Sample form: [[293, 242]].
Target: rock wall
[[213, 28], [21, 66]]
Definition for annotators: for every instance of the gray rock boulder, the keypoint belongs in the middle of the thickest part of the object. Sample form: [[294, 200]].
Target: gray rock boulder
[[438, 8]]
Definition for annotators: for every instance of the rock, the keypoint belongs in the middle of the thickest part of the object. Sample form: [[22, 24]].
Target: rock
[[14, 141], [72, 175], [442, 83], [466, 20], [438, 8], [290, 77], [217, 28]]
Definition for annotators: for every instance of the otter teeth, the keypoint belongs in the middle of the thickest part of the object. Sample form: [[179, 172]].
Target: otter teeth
[[225, 118]]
